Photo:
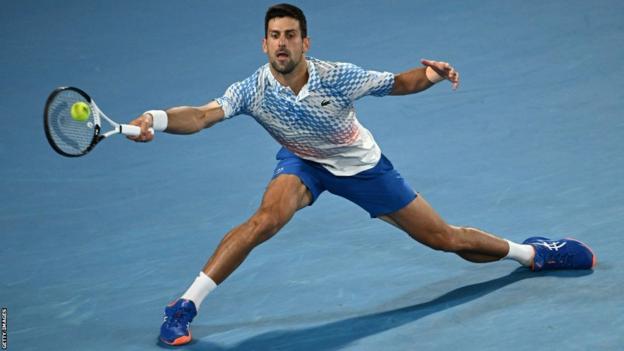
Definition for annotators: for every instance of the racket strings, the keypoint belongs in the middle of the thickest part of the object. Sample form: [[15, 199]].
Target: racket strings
[[71, 136]]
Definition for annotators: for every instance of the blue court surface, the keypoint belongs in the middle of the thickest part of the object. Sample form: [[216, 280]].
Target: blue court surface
[[532, 143]]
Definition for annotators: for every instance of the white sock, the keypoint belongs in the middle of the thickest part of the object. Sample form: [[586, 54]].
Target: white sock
[[521, 253], [200, 288]]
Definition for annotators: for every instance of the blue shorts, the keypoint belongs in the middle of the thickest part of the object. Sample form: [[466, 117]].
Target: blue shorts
[[380, 190]]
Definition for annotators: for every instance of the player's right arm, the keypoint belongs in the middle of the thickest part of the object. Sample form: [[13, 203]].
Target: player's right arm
[[181, 120], [189, 120]]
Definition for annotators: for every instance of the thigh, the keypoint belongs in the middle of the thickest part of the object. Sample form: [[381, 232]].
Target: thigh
[[418, 219], [309, 176], [284, 196]]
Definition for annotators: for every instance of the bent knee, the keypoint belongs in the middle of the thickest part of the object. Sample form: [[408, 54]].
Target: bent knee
[[263, 225]]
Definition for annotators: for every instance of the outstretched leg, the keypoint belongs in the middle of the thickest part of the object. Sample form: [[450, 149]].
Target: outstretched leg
[[284, 196], [422, 223]]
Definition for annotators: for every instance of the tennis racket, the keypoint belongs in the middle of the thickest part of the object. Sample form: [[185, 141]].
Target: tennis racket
[[71, 137]]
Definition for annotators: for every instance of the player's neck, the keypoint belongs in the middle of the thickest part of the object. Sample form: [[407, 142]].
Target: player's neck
[[296, 79]]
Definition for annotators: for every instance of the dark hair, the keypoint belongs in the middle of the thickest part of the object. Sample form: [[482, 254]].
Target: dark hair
[[286, 10]]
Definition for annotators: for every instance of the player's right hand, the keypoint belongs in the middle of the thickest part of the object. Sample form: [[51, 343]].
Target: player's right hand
[[144, 121]]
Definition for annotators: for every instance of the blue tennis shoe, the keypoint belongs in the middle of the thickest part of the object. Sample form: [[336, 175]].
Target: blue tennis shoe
[[176, 329], [560, 254]]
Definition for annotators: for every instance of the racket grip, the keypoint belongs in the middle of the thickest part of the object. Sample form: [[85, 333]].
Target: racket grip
[[129, 130]]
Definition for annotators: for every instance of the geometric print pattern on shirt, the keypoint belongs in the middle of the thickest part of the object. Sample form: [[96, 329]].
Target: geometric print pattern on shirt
[[320, 123]]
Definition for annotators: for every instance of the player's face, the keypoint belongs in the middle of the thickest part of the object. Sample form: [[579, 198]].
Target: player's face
[[284, 45]]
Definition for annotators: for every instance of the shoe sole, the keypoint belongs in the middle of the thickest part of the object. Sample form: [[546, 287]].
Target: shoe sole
[[183, 340]]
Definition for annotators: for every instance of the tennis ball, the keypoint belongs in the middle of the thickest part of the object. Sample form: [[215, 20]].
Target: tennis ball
[[80, 111]]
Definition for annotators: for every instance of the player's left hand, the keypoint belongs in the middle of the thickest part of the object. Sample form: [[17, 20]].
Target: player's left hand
[[445, 70]]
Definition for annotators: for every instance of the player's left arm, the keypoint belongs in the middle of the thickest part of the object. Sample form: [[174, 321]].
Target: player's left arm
[[422, 78]]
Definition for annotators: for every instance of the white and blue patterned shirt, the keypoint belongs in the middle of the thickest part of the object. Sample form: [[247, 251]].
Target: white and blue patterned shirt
[[319, 124]]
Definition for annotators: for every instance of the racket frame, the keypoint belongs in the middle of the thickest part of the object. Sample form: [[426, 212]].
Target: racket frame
[[98, 115]]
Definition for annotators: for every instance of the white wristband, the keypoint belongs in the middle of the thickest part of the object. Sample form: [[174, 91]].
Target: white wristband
[[159, 119], [432, 75]]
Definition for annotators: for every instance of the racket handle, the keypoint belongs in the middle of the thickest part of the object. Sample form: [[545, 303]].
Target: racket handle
[[130, 130]]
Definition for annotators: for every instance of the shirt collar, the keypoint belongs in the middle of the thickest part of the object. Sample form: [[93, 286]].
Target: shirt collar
[[313, 77]]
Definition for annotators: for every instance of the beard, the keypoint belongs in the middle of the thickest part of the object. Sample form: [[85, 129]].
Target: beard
[[285, 68]]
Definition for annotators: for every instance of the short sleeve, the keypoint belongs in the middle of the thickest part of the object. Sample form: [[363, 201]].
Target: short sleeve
[[232, 102], [356, 82], [238, 96]]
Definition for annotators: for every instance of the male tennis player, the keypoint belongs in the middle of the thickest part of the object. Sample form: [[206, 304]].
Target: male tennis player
[[306, 104]]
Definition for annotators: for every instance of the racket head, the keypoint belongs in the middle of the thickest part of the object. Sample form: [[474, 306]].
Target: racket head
[[67, 136]]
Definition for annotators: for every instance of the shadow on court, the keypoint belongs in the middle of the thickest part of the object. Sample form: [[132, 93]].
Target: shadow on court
[[336, 335]]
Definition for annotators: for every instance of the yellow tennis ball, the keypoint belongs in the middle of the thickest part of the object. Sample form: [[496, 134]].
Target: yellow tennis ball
[[80, 111]]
